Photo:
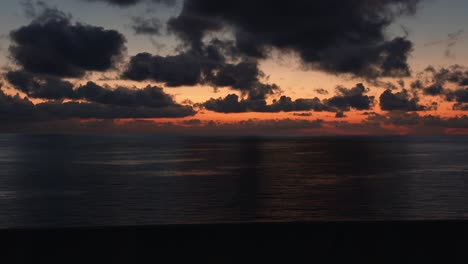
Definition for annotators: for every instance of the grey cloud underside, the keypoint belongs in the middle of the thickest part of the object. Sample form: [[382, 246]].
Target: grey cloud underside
[[232, 104], [402, 101], [354, 98], [345, 100], [14, 109], [338, 37], [57, 89], [208, 66], [51, 44], [47, 87], [335, 36], [100, 101]]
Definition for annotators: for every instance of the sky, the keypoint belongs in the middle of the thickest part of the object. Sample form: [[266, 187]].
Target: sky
[[234, 67]]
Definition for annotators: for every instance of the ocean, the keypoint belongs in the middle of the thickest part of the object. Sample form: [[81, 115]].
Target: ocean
[[132, 180]]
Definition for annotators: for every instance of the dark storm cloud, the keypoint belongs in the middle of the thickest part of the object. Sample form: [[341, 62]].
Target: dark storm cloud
[[124, 3], [146, 26], [51, 44], [232, 104], [95, 101], [286, 104], [345, 100], [53, 110], [353, 98], [207, 66], [335, 36], [178, 70], [400, 101], [46, 87], [55, 88], [151, 96], [14, 109]]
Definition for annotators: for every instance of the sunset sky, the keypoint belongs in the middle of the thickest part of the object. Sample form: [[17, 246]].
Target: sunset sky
[[234, 67]]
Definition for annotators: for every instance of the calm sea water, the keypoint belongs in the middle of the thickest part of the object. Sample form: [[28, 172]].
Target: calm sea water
[[62, 181]]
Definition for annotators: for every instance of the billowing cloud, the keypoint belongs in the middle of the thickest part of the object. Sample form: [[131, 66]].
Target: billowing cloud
[[449, 83], [435, 82], [46, 87], [150, 96], [401, 101], [87, 101], [334, 36], [353, 98], [57, 110], [232, 104], [337, 38], [345, 100], [208, 66], [51, 44], [55, 89], [14, 109]]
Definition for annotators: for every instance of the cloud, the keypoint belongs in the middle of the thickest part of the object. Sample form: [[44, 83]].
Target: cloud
[[52, 45], [449, 83], [460, 106], [334, 36], [453, 39], [340, 115], [302, 114], [55, 88], [208, 66], [460, 96], [400, 101], [232, 104], [321, 91], [126, 3], [179, 70], [97, 102], [150, 96], [286, 104], [14, 109], [46, 87], [345, 100], [353, 98], [146, 26], [57, 110], [413, 119]]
